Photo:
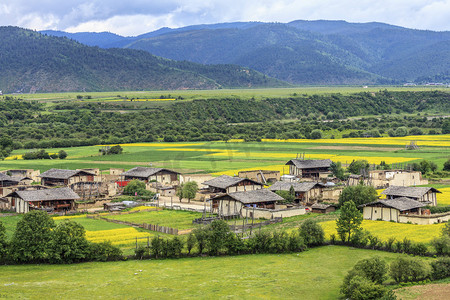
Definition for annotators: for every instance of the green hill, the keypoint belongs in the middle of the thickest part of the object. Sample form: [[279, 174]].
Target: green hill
[[30, 61]]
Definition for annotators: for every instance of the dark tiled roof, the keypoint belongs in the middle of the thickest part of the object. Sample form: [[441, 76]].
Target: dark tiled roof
[[248, 197], [46, 195], [144, 172], [4, 177], [225, 181], [298, 186], [62, 174], [401, 203], [310, 164], [408, 191]]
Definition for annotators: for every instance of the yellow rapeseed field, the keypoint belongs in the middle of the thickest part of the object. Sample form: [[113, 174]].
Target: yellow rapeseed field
[[68, 217], [122, 236], [282, 168], [422, 140], [444, 198], [385, 230]]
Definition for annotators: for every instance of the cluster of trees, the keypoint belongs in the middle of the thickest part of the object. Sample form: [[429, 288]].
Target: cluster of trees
[[210, 119], [217, 239], [37, 239], [367, 279], [137, 188], [6, 146], [187, 190], [42, 154], [117, 149]]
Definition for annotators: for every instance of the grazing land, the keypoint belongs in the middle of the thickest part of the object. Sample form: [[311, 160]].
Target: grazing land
[[314, 274]]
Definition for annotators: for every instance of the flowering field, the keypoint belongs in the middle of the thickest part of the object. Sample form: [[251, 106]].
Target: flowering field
[[444, 198], [118, 237], [385, 230]]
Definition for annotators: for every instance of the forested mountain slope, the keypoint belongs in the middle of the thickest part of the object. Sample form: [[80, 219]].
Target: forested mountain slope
[[304, 52], [30, 61]]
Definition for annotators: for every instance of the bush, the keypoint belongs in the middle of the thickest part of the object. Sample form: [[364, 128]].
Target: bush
[[440, 268], [279, 243], [140, 252], [218, 236], [133, 187], [312, 233], [69, 243], [442, 245], [406, 269], [361, 288], [260, 243], [201, 235], [190, 242], [156, 247], [3, 243], [105, 251], [296, 242], [359, 194]]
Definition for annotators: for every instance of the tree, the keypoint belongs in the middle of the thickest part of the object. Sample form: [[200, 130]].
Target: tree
[[179, 192], [32, 239], [316, 134], [3, 243], [201, 235], [447, 165], [406, 269], [349, 221], [359, 194], [190, 242], [69, 243], [358, 167], [337, 170], [446, 127], [62, 154], [373, 268], [190, 189], [218, 236], [133, 187], [117, 149], [312, 233]]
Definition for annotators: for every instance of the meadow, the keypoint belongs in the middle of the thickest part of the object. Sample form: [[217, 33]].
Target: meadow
[[314, 274], [231, 157]]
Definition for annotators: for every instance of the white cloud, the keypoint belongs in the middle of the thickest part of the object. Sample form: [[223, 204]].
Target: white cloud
[[134, 17]]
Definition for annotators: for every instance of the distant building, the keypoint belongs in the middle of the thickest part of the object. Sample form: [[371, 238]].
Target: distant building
[[62, 177], [263, 176], [228, 184], [57, 199], [304, 191], [425, 195], [390, 209], [308, 168], [163, 176]]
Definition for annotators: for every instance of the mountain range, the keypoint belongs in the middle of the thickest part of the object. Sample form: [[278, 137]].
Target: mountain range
[[299, 52], [34, 62]]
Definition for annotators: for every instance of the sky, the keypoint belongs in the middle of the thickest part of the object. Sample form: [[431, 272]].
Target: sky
[[134, 17]]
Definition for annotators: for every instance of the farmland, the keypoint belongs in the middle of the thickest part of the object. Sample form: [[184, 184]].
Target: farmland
[[231, 157], [314, 274]]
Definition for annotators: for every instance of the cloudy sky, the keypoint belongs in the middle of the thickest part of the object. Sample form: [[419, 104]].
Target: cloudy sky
[[133, 17]]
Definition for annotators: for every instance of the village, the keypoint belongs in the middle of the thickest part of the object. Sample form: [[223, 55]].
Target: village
[[253, 194]]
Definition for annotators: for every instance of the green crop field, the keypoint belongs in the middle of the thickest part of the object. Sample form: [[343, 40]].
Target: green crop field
[[230, 157], [314, 274]]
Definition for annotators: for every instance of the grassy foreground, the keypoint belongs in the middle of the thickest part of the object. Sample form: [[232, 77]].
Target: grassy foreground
[[314, 274]]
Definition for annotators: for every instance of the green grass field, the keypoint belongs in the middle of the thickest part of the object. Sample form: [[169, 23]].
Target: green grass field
[[314, 274], [213, 157]]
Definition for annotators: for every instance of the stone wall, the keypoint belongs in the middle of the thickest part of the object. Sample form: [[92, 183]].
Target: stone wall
[[262, 213], [425, 219]]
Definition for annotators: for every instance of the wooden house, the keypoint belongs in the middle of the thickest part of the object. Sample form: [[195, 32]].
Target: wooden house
[[163, 176], [304, 191], [232, 203], [390, 209], [228, 184], [308, 168], [422, 194], [61, 177], [263, 176], [322, 208], [57, 199]]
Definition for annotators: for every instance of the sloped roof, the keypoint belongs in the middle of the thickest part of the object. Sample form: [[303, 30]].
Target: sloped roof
[[310, 163], [401, 203], [298, 186], [4, 177], [255, 196], [46, 195], [408, 191], [225, 181], [62, 173], [144, 172], [321, 206]]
